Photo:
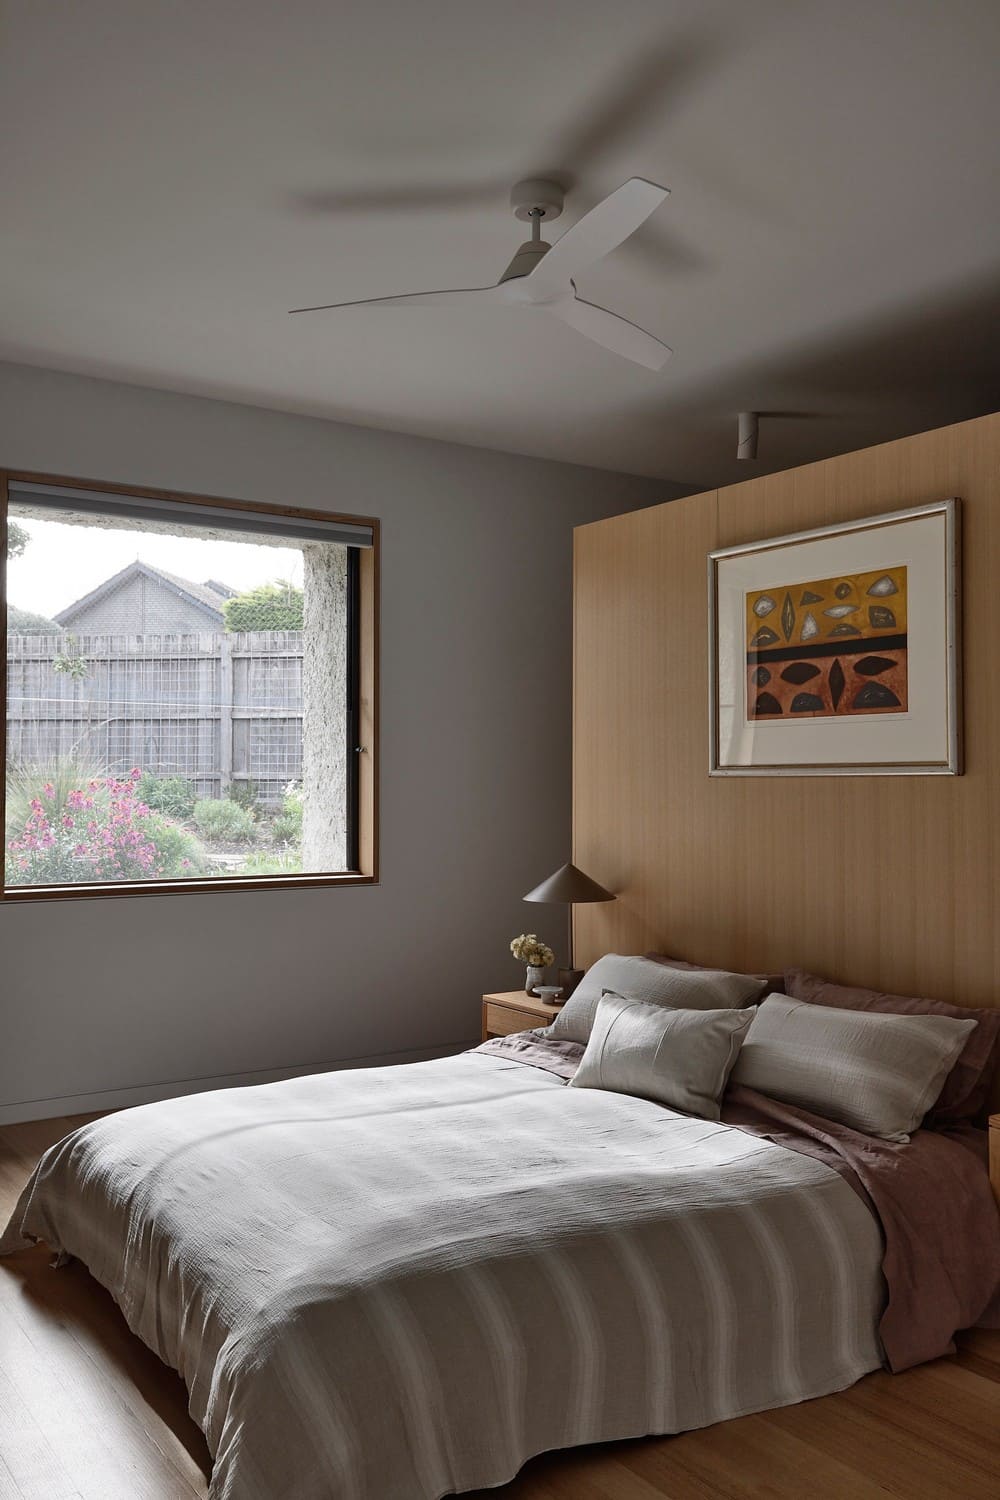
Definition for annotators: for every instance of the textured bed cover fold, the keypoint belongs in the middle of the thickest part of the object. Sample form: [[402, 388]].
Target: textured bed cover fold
[[399, 1283], [939, 1217]]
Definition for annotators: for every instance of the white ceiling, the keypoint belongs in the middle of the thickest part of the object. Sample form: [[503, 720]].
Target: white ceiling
[[175, 174]]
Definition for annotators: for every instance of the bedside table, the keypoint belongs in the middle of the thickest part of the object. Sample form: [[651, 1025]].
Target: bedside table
[[515, 1011], [994, 1137]]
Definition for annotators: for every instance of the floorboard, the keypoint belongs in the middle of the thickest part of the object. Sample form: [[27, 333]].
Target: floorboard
[[88, 1413]]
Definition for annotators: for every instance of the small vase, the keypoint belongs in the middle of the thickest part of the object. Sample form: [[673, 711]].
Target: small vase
[[534, 974]]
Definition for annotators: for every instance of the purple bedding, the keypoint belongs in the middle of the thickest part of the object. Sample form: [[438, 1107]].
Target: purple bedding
[[932, 1197]]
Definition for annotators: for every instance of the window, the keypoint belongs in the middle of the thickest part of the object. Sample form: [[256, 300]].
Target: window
[[190, 693]]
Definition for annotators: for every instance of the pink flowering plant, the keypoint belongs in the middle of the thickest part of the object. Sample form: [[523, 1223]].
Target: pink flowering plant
[[99, 830]]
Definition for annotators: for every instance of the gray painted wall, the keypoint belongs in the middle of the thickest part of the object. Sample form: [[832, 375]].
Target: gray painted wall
[[146, 994]]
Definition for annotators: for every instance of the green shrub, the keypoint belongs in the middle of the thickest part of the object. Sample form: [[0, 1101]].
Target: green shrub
[[26, 622], [269, 606], [222, 821], [69, 662], [245, 794], [264, 863], [179, 853], [17, 539], [173, 795], [287, 826]]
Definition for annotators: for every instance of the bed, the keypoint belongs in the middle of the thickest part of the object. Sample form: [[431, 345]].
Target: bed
[[401, 1283]]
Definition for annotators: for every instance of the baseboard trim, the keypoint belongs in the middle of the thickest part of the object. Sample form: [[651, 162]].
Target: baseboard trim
[[151, 1093]]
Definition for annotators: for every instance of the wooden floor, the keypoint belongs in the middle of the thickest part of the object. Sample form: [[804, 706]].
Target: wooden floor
[[88, 1413]]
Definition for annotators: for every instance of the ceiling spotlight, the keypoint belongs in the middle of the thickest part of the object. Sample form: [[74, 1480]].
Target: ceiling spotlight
[[746, 446]]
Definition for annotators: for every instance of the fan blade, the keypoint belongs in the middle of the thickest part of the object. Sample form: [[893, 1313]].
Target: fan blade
[[643, 95], [597, 233], [456, 297], [612, 332]]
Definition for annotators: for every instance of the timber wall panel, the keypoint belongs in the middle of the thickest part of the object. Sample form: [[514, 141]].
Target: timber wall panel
[[886, 881]]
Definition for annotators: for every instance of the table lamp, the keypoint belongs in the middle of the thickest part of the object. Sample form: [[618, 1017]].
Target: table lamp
[[569, 886]]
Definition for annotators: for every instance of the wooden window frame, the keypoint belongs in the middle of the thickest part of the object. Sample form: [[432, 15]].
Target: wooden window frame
[[366, 752]]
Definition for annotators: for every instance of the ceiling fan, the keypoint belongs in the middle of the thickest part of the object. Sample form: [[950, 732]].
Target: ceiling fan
[[540, 276]]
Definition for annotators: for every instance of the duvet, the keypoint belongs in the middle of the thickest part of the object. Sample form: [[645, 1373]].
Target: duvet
[[400, 1283]]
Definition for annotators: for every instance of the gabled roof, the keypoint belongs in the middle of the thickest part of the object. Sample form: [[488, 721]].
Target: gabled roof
[[203, 595], [208, 594]]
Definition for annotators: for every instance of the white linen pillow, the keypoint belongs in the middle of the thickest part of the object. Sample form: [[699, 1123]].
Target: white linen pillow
[[655, 984], [873, 1071], [681, 1058]]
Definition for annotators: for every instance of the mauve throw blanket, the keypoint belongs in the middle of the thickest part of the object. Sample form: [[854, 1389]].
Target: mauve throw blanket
[[940, 1221]]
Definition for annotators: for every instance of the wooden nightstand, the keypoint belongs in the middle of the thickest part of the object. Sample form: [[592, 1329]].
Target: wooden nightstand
[[515, 1011], [995, 1154]]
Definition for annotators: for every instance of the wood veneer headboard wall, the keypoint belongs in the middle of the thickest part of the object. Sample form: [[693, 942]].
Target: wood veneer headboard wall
[[883, 881]]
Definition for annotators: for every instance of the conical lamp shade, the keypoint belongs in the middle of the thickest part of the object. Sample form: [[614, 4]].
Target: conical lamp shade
[[569, 887]]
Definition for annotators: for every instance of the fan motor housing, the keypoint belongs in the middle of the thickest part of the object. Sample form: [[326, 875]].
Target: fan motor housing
[[537, 196]]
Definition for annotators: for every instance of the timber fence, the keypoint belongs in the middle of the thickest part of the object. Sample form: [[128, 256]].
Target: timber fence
[[218, 709]]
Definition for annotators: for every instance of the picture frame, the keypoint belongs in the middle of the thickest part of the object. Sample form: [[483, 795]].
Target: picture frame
[[836, 651]]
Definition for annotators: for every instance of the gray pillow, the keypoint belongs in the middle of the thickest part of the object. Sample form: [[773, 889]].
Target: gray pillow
[[681, 1058], [875, 1072], [682, 989], [774, 983]]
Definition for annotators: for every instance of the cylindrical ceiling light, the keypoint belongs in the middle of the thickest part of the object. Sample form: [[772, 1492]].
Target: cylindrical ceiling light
[[746, 446]]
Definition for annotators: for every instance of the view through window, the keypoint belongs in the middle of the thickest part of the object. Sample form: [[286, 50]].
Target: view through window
[[181, 691]]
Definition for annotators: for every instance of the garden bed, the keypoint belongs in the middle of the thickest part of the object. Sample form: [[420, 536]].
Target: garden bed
[[71, 822]]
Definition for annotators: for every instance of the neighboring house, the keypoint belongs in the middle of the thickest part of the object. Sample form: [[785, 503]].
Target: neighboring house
[[143, 600]]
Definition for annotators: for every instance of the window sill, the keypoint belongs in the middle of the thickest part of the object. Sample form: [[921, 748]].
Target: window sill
[[17, 894]]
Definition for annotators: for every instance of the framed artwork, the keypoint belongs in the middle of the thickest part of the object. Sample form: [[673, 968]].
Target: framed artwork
[[835, 652]]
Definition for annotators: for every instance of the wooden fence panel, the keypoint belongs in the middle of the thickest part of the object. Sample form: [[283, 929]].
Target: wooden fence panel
[[215, 708]]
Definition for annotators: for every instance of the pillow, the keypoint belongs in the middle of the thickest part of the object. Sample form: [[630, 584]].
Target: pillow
[[966, 1091], [875, 1073], [681, 1058], [774, 983], [706, 989]]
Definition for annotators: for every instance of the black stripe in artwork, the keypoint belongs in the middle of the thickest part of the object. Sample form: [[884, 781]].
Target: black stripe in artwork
[[845, 646]]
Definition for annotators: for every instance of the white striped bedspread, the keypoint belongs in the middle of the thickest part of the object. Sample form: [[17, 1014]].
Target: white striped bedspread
[[400, 1283]]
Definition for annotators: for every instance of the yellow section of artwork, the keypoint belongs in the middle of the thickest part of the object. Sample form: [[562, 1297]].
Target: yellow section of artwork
[[874, 604]]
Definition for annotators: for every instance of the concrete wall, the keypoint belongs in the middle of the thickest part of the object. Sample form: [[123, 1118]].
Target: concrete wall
[[114, 1001]]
